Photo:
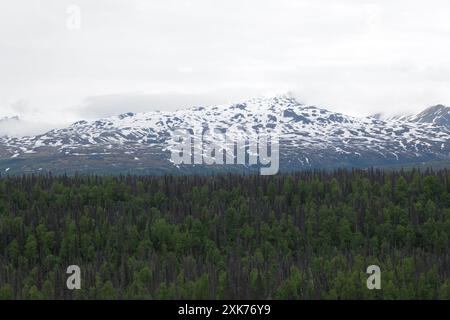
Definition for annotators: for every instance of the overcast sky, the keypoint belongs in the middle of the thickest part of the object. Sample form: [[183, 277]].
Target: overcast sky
[[352, 56]]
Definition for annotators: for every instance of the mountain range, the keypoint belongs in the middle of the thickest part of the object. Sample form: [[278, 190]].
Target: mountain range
[[310, 137]]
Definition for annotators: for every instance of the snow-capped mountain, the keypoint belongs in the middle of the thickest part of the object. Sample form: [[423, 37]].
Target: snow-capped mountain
[[438, 115], [310, 137]]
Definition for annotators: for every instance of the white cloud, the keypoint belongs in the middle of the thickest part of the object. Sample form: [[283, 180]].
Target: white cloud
[[355, 56]]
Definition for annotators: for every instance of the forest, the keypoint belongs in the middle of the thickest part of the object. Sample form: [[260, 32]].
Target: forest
[[305, 235]]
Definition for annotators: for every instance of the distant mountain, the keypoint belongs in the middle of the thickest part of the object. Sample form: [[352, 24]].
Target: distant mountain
[[6, 120], [438, 115], [6, 123], [310, 137]]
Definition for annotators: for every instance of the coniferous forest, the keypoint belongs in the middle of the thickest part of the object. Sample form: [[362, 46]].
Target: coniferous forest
[[308, 235]]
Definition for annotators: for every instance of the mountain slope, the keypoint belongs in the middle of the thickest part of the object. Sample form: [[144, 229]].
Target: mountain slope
[[438, 115], [310, 137]]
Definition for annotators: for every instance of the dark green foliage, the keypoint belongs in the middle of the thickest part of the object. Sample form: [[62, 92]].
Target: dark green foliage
[[308, 235]]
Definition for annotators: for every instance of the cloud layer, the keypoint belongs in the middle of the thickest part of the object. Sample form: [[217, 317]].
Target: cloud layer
[[353, 56]]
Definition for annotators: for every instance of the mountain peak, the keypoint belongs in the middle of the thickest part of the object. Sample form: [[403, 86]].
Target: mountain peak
[[14, 118], [436, 108], [286, 97], [438, 114]]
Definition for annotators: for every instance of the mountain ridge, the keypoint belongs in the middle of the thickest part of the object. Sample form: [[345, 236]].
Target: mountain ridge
[[310, 137]]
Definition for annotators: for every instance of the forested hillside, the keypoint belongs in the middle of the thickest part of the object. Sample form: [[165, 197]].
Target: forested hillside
[[308, 235]]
